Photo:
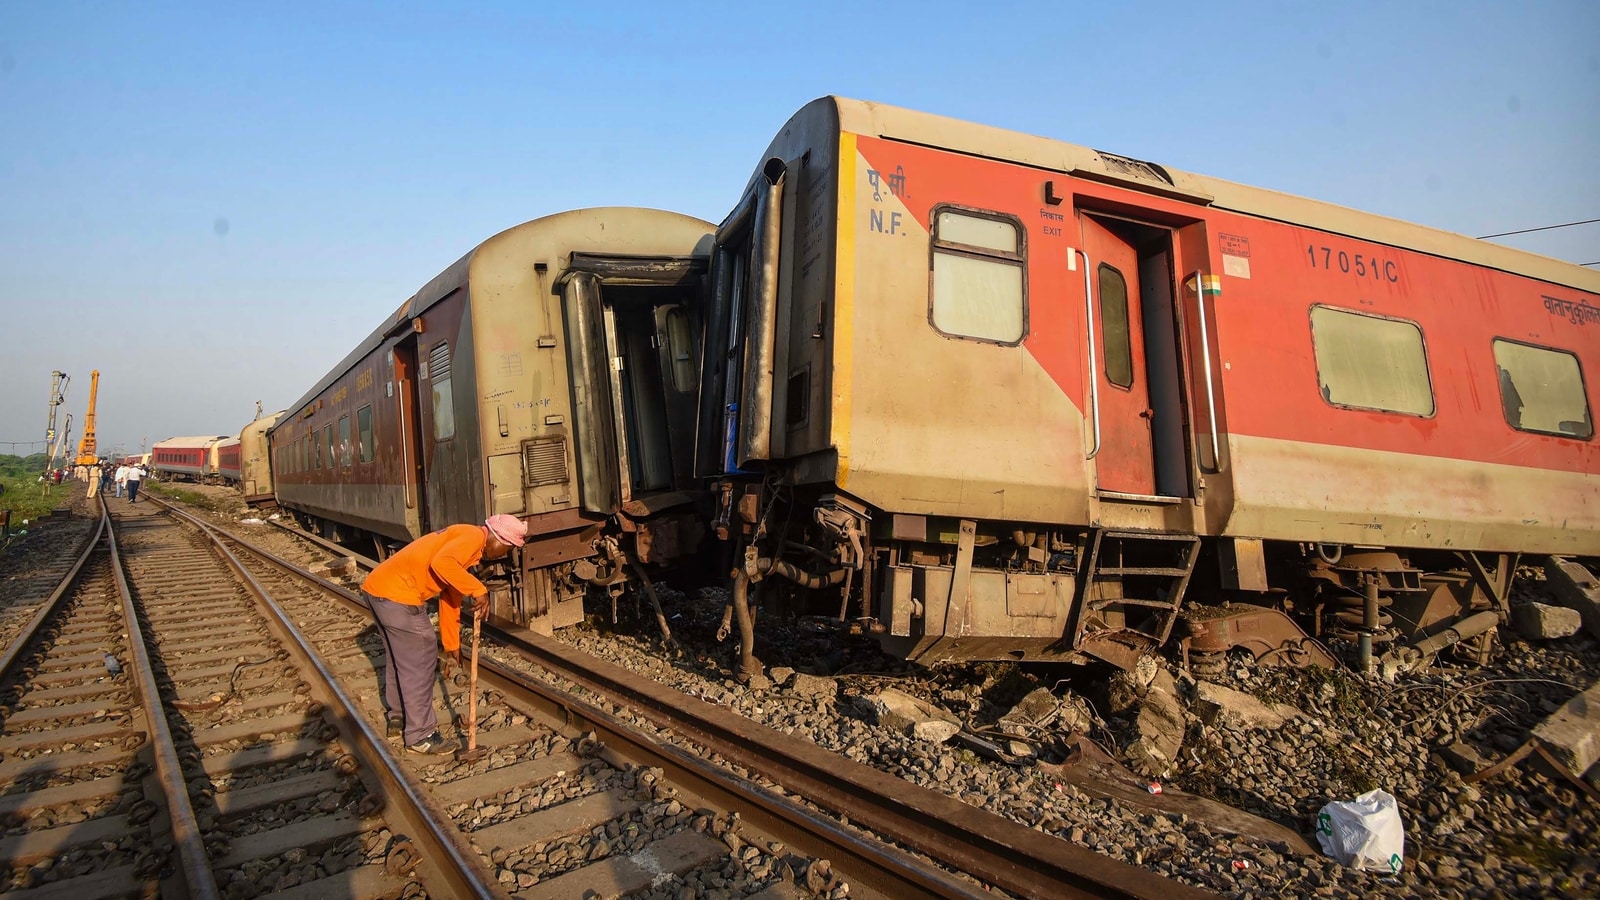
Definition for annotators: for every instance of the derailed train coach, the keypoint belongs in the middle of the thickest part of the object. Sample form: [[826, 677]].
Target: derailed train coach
[[552, 374], [255, 469], [993, 396]]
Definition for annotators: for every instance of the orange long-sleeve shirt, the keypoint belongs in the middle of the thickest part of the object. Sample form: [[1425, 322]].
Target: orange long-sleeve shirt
[[434, 565]]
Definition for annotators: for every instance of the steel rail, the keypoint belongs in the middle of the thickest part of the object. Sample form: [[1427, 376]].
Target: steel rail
[[993, 849], [25, 637], [320, 541], [987, 846], [869, 861], [193, 861], [449, 858]]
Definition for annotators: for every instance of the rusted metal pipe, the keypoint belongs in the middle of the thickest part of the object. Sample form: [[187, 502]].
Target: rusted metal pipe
[[1470, 627], [748, 664], [800, 576], [1369, 624]]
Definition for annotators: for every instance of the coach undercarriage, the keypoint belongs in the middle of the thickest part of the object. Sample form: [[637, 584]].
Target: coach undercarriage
[[946, 590]]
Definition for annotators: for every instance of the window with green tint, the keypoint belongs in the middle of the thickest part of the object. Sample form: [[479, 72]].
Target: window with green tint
[[1541, 390], [364, 431], [1371, 362], [344, 441], [1114, 326]]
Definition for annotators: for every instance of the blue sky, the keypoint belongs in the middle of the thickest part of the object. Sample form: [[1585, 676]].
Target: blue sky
[[212, 204]]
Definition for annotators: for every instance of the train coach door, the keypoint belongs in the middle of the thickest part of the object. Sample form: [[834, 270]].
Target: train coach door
[[1141, 419], [409, 417]]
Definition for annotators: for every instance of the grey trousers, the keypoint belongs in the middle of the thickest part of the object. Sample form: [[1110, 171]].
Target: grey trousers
[[413, 663]]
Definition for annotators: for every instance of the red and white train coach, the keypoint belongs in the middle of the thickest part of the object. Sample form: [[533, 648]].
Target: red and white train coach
[[1024, 398], [187, 458]]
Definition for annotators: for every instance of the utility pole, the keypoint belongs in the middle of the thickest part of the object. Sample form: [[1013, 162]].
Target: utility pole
[[58, 396]]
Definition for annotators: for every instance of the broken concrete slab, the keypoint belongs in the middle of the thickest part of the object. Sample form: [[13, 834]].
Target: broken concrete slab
[[1542, 622], [1572, 733], [1227, 708], [1575, 587], [1159, 728], [899, 711], [813, 687]]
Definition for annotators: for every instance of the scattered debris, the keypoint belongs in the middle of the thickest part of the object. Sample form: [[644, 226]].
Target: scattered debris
[[1542, 622], [1572, 733], [1223, 707], [813, 687], [1575, 588], [1093, 771], [899, 711], [1364, 833]]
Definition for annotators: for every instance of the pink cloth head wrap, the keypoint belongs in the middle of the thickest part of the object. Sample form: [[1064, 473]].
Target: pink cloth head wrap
[[508, 530]]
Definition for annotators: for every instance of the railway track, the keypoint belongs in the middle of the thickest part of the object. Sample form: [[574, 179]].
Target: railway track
[[164, 736], [572, 799]]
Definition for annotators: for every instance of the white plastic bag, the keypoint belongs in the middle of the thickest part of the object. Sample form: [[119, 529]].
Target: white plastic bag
[[1364, 833]]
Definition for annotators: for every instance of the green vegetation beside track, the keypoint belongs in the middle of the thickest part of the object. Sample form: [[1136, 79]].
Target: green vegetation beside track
[[24, 495]]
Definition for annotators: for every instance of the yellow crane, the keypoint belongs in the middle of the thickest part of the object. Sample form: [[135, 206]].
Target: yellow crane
[[86, 448]]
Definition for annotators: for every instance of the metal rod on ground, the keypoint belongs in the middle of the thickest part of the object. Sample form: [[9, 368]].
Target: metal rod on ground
[[472, 753], [1369, 624], [661, 617]]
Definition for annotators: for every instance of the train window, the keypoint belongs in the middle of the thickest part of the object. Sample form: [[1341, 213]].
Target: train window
[[1541, 390], [344, 441], [1371, 362], [979, 282], [1114, 326], [327, 441], [680, 342], [364, 431], [316, 449], [444, 408]]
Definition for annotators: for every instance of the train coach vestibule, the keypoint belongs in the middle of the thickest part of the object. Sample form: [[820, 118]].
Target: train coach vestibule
[[634, 367]]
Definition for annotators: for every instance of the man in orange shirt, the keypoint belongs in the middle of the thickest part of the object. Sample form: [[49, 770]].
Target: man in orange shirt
[[398, 591]]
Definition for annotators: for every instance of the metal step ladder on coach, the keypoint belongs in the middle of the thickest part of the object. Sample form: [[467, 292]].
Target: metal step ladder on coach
[[1133, 586]]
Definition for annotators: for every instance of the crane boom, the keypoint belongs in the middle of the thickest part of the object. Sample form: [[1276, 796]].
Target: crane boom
[[86, 446]]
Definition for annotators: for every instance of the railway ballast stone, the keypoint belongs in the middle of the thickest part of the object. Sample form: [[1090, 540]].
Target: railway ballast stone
[[903, 713], [1227, 708], [1542, 622]]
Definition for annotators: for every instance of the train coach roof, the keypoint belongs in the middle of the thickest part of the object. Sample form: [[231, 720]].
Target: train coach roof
[[204, 440], [446, 283], [896, 123]]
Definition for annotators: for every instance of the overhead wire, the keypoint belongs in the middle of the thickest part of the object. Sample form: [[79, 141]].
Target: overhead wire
[[1484, 237]]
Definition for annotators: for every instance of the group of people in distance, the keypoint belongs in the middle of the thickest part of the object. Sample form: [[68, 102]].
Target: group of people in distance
[[125, 477]]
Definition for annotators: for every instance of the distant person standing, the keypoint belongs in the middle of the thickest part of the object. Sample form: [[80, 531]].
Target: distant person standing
[[122, 479], [135, 475], [94, 480]]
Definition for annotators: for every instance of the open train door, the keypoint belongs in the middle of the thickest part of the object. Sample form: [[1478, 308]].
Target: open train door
[[403, 357], [1137, 397]]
